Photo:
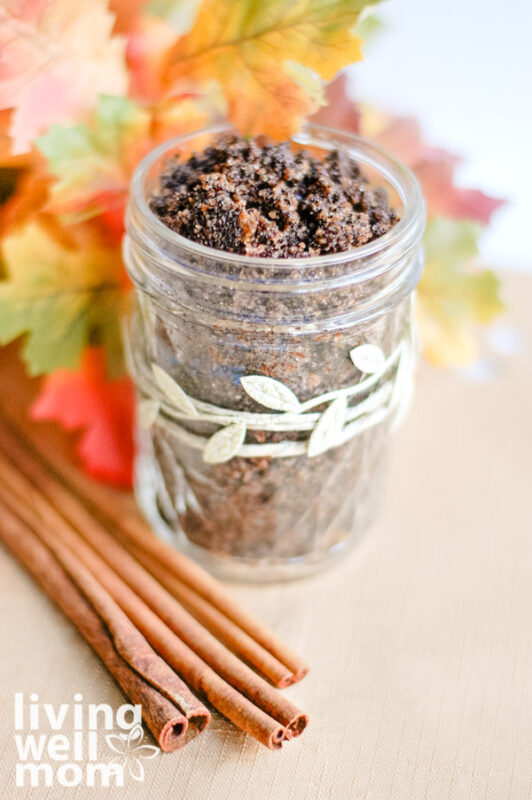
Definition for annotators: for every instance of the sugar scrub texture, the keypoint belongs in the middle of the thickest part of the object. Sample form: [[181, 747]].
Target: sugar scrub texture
[[263, 199], [257, 198]]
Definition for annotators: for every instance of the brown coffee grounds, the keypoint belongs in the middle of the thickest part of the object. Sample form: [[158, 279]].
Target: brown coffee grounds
[[255, 198], [263, 199]]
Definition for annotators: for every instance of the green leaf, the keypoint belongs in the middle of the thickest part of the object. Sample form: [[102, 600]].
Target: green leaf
[[179, 14], [92, 162], [454, 295], [368, 27], [62, 298], [113, 119]]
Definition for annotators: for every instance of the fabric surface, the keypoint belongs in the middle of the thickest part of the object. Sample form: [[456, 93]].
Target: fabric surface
[[419, 641]]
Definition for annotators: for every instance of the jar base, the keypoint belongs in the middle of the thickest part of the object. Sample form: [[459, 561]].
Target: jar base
[[224, 565]]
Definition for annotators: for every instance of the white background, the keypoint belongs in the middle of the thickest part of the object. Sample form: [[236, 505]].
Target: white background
[[464, 68]]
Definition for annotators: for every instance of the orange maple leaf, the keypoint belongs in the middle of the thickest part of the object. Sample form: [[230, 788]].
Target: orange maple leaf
[[270, 58]]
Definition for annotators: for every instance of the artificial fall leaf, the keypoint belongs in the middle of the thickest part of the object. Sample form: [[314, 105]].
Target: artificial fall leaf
[[103, 408], [29, 197], [62, 296], [8, 181], [147, 45], [7, 159], [180, 14], [433, 166], [402, 136], [453, 295], [368, 26], [57, 57], [179, 115], [244, 45], [338, 111], [127, 14], [92, 163], [443, 198]]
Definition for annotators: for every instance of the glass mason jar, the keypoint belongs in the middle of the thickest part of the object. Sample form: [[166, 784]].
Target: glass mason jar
[[268, 387]]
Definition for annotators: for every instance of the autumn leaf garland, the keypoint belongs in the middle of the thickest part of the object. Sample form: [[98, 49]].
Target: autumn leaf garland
[[344, 414]]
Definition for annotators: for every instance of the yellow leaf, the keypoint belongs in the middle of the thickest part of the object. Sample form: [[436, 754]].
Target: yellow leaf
[[62, 297], [251, 47], [445, 345], [453, 295], [177, 116]]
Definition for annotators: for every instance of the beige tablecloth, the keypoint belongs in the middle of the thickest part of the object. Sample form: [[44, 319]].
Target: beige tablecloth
[[419, 642]]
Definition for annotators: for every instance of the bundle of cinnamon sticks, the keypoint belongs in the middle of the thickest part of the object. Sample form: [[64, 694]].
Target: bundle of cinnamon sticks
[[167, 631]]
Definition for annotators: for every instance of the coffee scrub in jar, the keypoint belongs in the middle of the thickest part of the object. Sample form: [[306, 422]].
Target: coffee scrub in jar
[[271, 342]]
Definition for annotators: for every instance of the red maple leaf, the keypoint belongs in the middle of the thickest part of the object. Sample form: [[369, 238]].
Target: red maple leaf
[[340, 112], [445, 199], [403, 136], [102, 408]]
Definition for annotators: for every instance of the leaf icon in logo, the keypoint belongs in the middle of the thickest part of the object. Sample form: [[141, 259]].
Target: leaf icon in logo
[[270, 393], [147, 751], [225, 443], [131, 751], [135, 769], [136, 734], [115, 743]]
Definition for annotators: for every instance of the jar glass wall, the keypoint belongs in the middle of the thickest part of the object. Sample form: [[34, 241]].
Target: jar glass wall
[[268, 387]]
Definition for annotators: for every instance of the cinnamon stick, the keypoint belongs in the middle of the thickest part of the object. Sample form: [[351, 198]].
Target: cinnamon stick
[[270, 655], [261, 717], [213, 619], [133, 532], [132, 574], [223, 696], [171, 725]]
